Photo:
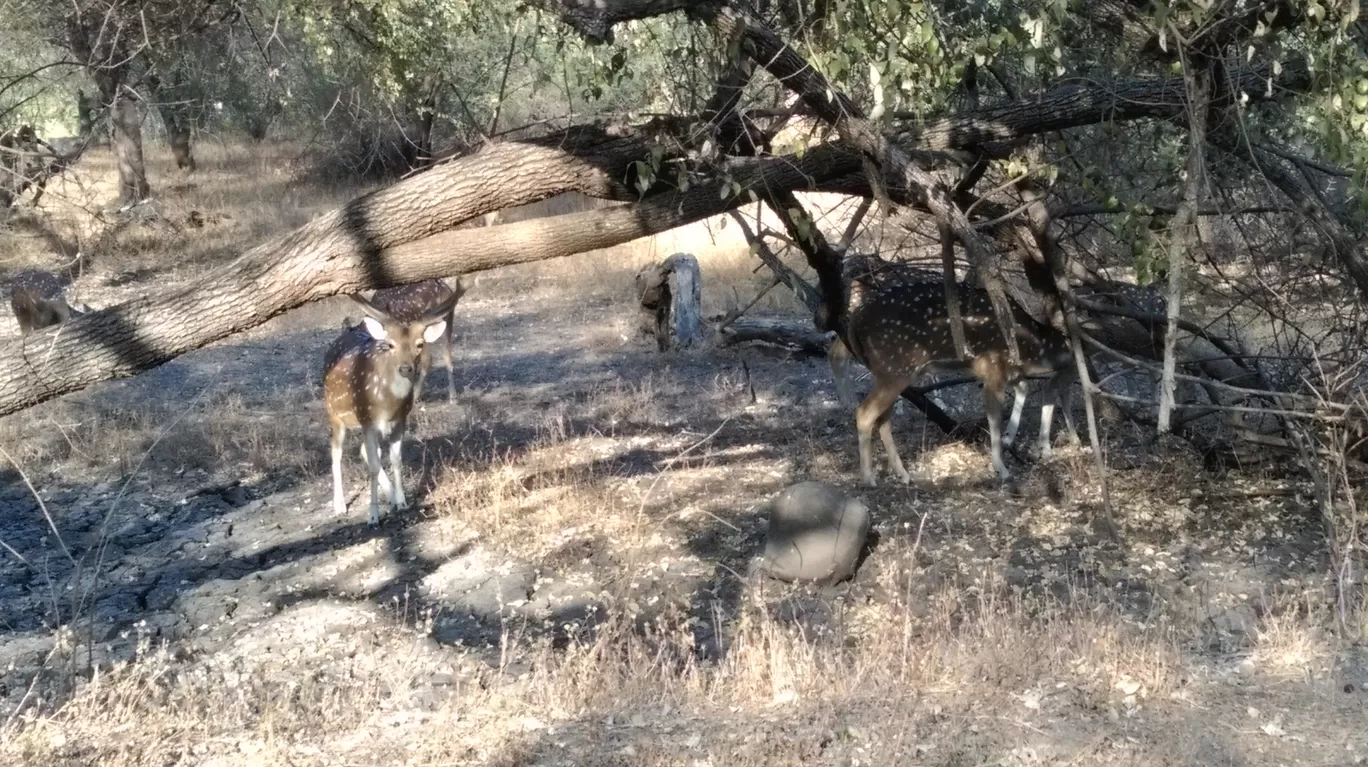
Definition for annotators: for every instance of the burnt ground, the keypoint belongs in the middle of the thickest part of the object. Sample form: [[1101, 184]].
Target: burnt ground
[[580, 474]]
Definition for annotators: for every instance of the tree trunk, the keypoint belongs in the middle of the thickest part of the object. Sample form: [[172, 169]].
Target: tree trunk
[[416, 149], [106, 60], [125, 124], [1183, 237], [671, 294]]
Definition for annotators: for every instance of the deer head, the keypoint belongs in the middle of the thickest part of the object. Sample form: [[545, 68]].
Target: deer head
[[395, 349]]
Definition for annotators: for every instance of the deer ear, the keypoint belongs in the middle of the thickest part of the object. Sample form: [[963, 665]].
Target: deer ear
[[375, 328], [434, 331]]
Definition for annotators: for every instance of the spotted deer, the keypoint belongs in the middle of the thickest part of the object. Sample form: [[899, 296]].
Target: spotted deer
[[864, 274], [369, 377], [39, 301], [902, 332], [406, 303]]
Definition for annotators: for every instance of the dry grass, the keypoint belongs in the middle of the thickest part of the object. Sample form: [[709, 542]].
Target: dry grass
[[966, 677], [569, 592]]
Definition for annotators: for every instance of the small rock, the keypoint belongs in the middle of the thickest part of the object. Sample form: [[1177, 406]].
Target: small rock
[[816, 534]]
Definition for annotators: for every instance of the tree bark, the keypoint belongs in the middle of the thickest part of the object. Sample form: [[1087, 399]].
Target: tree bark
[[126, 126], [1183, 237], [778, 332], [823, 259], [1041, 221], [417, 141], [671, 294]]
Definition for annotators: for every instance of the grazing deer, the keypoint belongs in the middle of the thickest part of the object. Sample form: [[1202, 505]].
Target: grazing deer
[[368, 384], [902, 332], [407, 303], [39, 301]]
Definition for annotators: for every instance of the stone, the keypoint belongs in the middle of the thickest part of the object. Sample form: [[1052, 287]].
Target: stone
[[816, 535]]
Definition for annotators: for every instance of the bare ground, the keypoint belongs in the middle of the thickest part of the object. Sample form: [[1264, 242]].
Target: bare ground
[[568, 588]]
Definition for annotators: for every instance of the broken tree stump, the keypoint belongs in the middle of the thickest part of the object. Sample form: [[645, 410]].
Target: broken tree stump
[[671, 297]]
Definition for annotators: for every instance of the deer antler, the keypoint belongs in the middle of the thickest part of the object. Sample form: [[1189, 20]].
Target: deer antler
[[370, 308]]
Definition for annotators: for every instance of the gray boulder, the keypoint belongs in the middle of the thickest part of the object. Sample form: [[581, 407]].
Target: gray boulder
[[816, 534]]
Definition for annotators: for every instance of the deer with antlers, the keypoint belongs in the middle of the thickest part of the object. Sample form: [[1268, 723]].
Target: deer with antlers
[[370, 378]]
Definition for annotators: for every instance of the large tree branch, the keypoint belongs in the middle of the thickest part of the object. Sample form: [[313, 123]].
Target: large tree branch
[[1079, 104]]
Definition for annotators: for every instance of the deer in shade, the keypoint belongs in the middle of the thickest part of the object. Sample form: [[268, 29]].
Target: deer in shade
[[370, 376], [902, 331], [39, 301]]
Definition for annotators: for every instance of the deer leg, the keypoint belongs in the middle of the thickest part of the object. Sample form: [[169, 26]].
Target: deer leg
[[451, 370], [1047, 409], [1018, 404], [377, 475], [869, 414], [396, 461], [1066, 405], [382, 479], [886, 436], [339, 433], [838, 355], [992, 405]]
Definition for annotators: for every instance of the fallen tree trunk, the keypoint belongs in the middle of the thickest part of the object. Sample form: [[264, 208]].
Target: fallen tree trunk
[[792, 334]]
